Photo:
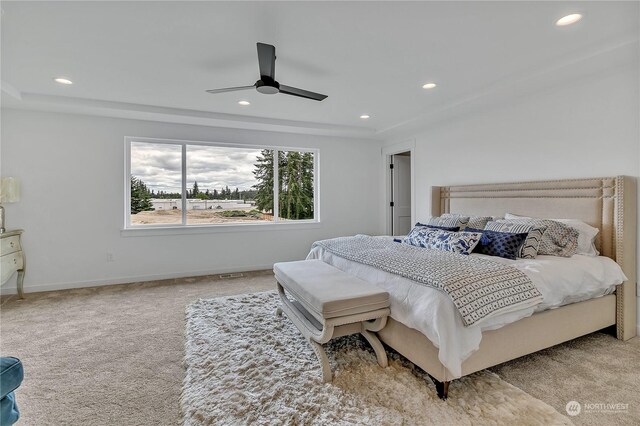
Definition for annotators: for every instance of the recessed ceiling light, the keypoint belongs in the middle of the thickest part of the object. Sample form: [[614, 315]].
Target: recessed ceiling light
[[569, 19], [62, 80], [244, 103], [429, 85], [365, 116]]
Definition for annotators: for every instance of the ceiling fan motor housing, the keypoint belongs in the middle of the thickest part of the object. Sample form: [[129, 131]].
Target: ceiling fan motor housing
[[267, 86]]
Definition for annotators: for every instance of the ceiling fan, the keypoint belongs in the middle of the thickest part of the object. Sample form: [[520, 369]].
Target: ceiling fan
[[267, 83]]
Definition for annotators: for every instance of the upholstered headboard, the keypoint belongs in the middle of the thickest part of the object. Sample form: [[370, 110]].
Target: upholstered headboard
[[606, 203]]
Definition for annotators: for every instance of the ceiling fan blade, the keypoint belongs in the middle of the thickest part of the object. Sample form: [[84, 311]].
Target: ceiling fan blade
[[267, 61], [288, 90], [231, 89]]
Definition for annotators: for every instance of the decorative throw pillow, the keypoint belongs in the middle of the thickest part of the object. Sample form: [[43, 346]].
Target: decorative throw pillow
[[444, 228], [529, 249], [558, 240], [455, 242], [501, 244], [449, 222], [476, 222], [586, 234]]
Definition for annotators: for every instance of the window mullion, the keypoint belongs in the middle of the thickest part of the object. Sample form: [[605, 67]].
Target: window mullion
[[184, 184], [316, 189], [127, 180], [276, 201]]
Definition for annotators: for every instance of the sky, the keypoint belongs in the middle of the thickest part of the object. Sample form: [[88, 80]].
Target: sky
[[159, 166]]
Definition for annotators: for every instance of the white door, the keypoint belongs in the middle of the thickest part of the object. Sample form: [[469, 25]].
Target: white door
[[400, 194]]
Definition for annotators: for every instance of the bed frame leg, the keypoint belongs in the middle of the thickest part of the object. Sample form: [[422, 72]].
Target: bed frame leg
[[444, 394], [442, 388]]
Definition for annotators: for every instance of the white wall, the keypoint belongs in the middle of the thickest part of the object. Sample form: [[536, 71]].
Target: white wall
[[63, 157], [584, 128]]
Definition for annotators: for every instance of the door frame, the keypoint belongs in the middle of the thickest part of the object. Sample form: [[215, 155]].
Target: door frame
[[387, 151]]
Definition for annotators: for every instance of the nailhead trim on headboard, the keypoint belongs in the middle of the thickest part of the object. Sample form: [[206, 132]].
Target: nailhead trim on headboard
[[619, 240]]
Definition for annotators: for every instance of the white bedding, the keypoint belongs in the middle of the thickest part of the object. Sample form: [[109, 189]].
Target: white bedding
[[560, 280]]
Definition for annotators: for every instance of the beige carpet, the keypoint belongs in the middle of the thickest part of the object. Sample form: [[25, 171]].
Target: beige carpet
[[107, 355], [592, 370], [114, 355], [246, 366]]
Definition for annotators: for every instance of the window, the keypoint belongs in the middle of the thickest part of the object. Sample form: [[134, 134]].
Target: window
[[180, 183]]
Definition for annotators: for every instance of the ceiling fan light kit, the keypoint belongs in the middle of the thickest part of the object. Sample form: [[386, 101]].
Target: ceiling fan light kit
[[267, 84]]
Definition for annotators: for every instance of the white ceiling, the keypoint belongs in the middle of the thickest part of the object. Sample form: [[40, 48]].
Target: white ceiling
[[368, 57]]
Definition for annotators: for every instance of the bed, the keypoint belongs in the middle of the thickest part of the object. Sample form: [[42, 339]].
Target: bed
[[606, 203]]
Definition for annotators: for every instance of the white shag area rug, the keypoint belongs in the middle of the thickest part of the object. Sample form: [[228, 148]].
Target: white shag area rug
[[247, 366]]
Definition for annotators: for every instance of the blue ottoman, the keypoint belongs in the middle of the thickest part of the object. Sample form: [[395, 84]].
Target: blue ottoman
[[11, 375]]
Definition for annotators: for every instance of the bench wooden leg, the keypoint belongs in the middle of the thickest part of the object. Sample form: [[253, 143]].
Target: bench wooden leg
[[327, 376], [373, 340]]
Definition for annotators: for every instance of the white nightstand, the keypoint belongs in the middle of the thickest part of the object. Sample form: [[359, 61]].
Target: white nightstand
[[12, 258]]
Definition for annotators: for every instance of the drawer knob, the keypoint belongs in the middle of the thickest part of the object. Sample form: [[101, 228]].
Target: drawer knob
[[15, 261], [11, 244]]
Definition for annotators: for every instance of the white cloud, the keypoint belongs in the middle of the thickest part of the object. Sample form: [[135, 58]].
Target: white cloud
[[159, 166]]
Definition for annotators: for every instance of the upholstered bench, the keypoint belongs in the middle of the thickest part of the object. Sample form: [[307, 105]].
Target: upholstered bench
[[323, 302]]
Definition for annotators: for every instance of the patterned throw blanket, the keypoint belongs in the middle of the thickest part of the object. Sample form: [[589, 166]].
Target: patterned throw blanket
[[478, 287]]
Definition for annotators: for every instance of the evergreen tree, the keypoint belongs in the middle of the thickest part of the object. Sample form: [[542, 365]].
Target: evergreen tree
[[140, 196], [264, 175], [290, 200], [195, 191], [248, 194], [307, 185], [236, 194], [216, 196], [295, 181]]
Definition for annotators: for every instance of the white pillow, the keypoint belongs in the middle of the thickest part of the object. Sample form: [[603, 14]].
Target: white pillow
[[586, 237]]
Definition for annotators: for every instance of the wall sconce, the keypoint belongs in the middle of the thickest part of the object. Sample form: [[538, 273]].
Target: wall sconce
[[9, 193]]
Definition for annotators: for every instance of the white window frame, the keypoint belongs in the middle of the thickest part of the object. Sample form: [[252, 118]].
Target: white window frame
[[184, 228]]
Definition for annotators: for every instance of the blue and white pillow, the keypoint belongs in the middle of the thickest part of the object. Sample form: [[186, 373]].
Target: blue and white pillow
[[500, 244], [449, 222], [476, 222], [529, 249], [558, 239], [455, 242], [444, 228]]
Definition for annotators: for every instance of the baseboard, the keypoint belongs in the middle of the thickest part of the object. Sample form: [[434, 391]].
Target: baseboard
[[132, 279]]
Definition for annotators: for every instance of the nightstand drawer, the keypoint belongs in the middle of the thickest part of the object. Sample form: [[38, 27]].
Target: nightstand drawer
[[10, 245], [9, 264]]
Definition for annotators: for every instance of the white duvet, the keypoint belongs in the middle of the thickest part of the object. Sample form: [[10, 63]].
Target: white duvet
[[560, 280]]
